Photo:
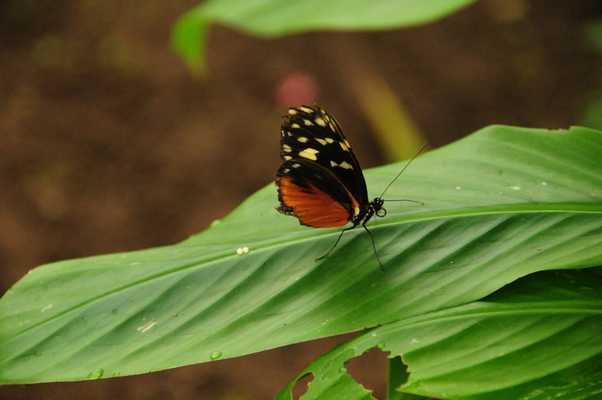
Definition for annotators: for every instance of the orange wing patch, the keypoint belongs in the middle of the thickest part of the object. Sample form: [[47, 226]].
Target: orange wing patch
[[312, 206]]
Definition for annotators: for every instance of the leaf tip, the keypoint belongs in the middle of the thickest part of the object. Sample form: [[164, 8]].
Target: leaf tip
[[188, 39]]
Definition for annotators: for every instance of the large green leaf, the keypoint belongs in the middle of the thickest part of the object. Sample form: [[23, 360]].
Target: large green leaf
[[499, 204], [539, 338], [276, 17]]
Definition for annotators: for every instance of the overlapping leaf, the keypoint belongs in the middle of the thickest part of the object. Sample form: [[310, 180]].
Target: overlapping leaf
[[498, 205], [536, 339]]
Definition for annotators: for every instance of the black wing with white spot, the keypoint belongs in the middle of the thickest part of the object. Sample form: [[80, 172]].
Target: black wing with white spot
[[309, 133]]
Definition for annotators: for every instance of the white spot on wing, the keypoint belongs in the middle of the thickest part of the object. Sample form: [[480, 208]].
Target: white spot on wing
[[320, 121], [344, 165], [302, 139], [309, 153]]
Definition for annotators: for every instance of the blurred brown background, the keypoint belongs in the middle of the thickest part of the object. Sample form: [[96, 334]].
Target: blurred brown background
[[107, 143]]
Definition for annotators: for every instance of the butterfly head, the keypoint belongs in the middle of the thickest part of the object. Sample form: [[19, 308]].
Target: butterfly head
[[377, 207]]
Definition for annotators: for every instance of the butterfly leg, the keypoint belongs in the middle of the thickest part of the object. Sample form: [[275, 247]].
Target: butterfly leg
[[335, 243], [380, 264]]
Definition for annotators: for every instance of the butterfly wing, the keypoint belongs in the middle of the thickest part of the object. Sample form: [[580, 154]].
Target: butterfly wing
[[314, 195], [309, 133]]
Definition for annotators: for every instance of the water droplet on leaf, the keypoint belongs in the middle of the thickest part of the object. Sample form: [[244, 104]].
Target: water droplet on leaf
[[241, 251], [46, 308], [146, 327], [96, 374]]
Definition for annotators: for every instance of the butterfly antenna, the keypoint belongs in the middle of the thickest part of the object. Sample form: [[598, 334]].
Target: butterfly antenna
[[406, 200], [403, 169]]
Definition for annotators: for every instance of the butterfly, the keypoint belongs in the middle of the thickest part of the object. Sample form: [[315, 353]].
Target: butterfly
[[320, 180]]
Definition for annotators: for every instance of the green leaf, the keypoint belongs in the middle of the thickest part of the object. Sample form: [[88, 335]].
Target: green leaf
[[593, 35], [188, 39], [593, 113], [498, 205], [275, 18], [538, 338]]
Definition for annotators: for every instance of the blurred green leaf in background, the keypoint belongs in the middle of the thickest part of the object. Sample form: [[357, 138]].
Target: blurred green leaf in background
[[592, 116], [271, 18]]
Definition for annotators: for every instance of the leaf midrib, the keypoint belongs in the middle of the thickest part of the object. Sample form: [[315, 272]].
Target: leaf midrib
[[518, 208], [403, 219]]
